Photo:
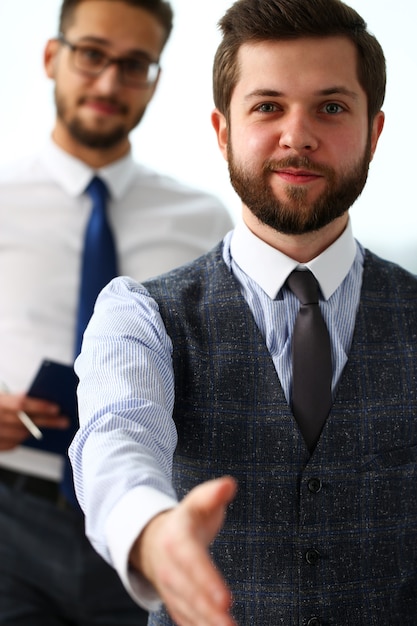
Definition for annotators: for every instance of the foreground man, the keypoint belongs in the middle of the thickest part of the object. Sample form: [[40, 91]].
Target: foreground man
[[193, 396]]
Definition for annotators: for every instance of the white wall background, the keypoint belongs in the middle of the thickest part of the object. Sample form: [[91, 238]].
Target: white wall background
[[176, 135]]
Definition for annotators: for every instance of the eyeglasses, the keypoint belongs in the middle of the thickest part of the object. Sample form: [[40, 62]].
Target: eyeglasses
[[134, 71]]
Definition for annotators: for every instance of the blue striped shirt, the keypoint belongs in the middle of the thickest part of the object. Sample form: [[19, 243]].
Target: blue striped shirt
[[122, 454]]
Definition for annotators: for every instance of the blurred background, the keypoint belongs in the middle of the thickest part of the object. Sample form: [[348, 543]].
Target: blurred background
[[176, 135]]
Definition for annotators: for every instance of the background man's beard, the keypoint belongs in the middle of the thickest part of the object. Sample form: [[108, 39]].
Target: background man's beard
[[94, 139], [295, 216]]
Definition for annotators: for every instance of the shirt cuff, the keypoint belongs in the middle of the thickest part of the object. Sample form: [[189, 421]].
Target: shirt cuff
[[124, 525]]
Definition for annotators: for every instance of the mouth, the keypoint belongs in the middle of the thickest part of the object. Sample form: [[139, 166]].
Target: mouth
[[298, 177], [104, 107]]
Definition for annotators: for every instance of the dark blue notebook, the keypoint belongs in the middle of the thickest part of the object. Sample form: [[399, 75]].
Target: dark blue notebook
[[56, 382]]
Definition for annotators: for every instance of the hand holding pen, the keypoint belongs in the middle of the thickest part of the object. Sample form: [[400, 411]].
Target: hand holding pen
[[15, 423]]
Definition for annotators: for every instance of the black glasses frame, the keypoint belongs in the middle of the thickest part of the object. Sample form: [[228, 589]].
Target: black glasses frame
[[120, 62]]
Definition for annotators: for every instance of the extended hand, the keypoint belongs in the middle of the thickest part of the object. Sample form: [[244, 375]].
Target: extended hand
[[172, 554], [44, 414]]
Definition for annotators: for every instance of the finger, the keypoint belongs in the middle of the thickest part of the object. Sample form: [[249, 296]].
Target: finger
[[189, 614], [39, 406], [45, 414], [50, 421], [12, 434], [10, 419], [21, 402], [197, 594], [13, 431]]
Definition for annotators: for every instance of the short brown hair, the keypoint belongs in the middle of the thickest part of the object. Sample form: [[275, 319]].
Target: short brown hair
[[260, 20], [161, 9]]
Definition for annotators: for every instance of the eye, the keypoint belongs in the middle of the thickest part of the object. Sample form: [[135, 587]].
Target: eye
[[267, 107], [136, 66], [91, 56], [332, 108]]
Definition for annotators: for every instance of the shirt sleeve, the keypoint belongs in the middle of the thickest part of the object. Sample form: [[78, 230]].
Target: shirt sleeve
[[122, 453]]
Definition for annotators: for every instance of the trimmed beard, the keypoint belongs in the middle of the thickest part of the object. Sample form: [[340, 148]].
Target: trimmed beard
[[95, 139], [295, 216]]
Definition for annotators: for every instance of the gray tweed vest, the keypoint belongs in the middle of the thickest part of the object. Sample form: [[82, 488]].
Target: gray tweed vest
[[329, 539]]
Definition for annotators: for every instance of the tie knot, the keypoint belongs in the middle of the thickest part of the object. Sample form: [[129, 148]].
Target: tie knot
[[303, 285], [97, 189]]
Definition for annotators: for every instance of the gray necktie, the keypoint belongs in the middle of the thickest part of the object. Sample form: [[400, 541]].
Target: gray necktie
[[311, 356]]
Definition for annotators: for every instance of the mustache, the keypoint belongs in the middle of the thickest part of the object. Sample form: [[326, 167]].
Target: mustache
[[299, 163], [110, 101]]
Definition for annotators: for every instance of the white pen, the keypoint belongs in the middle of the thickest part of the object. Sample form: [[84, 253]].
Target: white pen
[[24, 418]]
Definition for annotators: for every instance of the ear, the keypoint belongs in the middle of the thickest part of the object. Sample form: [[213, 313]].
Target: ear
[[377, 126], [220, 126], [49, 57]]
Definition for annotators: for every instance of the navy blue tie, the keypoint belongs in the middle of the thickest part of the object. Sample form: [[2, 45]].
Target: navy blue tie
[[312, 362], [99, 266], [99, 262]]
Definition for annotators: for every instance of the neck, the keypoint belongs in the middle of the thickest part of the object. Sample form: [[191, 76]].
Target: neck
[[301, 248]]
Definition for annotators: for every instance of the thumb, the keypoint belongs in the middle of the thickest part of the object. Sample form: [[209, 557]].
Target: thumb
[[207, 504]]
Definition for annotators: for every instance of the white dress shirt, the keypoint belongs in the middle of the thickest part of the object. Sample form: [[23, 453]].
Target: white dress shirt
[[122, 457], [158, 224]]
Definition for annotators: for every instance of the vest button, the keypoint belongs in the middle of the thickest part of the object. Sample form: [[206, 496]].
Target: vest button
[[314, 621], [312, 556], [314, 485]]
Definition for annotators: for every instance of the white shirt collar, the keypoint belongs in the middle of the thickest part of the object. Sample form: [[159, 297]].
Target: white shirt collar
[[270, 268], [74, 175]]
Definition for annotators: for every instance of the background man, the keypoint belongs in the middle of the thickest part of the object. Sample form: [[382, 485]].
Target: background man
[[105, 64], [201, 367]]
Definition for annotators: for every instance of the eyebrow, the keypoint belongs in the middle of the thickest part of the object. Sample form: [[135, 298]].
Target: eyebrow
[[329, 91], [338, 89], [100, 41]]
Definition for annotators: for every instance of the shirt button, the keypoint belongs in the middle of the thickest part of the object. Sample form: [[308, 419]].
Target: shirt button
[[314, 621], [314, 485], [312, 556]]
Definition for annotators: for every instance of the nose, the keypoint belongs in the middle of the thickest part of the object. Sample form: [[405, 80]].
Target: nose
[[109, 80], [297, 132]]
